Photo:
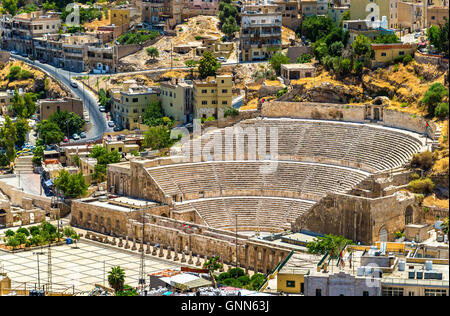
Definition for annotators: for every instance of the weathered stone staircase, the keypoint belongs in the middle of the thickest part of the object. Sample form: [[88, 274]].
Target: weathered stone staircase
[[23, 164]]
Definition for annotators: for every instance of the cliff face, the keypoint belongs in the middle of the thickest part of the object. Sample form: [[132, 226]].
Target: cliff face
[[36, 83]]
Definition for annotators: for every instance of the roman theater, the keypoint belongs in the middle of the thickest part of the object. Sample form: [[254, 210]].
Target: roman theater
[[336, 169]]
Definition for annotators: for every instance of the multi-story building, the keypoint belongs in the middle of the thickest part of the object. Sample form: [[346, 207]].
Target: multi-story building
[[409, 16], [336, 13], [6, 99], [216, 47], [260, 35], [76, 53], [436, 14], [199, 7], [374, 10], [176, 100], [363, 27], [313, 7], [19, 31], [120, 16], [385, 53], [212, 96], [130, 104], [49, 107], [289, 13], [163, 14]]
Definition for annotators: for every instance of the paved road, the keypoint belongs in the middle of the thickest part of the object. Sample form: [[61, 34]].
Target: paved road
[[97, 118]]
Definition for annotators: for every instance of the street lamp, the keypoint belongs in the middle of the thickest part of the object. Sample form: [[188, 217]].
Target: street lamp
[[39, 275]]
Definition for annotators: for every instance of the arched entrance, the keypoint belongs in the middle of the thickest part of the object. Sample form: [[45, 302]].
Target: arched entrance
[[383, 235], [409, 215], [376, 114], [2, 218]]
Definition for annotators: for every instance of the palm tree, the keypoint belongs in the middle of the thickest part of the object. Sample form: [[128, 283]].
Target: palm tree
[[116, 278]]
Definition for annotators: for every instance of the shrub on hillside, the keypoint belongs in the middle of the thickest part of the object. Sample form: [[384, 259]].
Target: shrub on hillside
[[423, 160], [423, 186]]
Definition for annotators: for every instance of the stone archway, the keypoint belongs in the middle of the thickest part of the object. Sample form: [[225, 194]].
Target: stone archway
[[409, 215], [383, 235]]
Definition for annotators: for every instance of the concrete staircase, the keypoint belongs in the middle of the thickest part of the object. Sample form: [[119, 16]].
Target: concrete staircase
[[435, 143], [23, 164]]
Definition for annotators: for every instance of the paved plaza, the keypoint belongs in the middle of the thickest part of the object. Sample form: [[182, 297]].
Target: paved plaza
[[76, 267]]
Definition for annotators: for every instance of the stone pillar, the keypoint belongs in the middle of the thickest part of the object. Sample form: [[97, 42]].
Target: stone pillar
[[134, 244], [264, 260], [169, 251], [183, 257], [161, 252], [176, 258], [198, 263], [141, 246], [190, 261], [255, 266], [247, 259], [120, 243], [148, 249], [127, 245], [154, 251], [221, 269], [113, 241]]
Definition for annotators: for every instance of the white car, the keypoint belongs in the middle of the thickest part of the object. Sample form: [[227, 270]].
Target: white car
[[74, 84], [111, 124], [75, 137], [102, 109]]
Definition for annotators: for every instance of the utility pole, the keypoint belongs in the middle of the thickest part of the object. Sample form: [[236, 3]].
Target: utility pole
[[142, 263], [49, 268], [236, 242]]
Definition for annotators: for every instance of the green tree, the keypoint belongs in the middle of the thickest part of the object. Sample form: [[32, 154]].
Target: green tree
[[445, 229], [153, 113], [12, 242], [315, 27], [8, 138], [24, 231], [152, 52], [98, 151], [157, 137], [434, 96], [208, 65], [387, 39], [72, 185], [331, 244], [361, 46], [277, 60], [50, 132], [127, 291], [213, 264], [22, 129], [67, 122], [304, 58], [116, 278], [230, 27], [10, 6]]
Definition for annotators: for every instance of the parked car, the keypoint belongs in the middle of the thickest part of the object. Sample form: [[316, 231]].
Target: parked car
[[74, 84], [222, 59], [111, 124], [65, 139], [83, 135], [102, 109], [75, 136], [417, 35], [14, 52], [117, 129]]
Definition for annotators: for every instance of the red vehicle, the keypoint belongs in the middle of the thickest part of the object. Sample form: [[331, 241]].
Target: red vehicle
[[65, 139]]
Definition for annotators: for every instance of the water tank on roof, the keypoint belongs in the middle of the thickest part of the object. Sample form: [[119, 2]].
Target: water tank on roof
[[428, 265], [361, 271], [401, 265]]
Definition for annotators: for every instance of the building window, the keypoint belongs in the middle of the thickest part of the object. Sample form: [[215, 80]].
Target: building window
[[204, 102], [135, 100], [435, 292], [204, 91], [224, 91], [392, 291], [401, 53], [290, 283], [318, 292], [365, 293], [383, 54], [224, 102]]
